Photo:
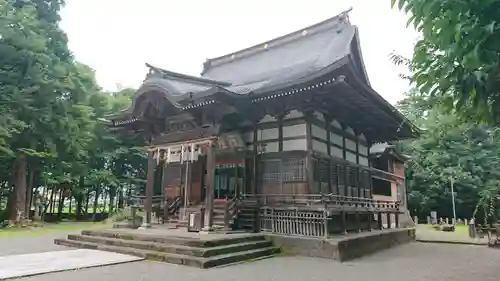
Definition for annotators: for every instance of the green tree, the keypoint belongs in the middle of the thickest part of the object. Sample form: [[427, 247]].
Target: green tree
[[458, 57], [51, 138], [449, 149]]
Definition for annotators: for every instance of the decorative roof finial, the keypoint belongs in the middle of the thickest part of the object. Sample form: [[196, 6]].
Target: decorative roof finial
[[344, 16]]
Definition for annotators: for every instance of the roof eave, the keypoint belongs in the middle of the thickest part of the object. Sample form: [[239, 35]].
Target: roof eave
[[383, 103], [324, 72]]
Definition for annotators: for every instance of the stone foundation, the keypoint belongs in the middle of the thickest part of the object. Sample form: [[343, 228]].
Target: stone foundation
[[343, 248]]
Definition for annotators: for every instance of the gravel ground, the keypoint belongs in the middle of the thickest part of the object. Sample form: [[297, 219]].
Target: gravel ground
[[410, 262], [30, 244]]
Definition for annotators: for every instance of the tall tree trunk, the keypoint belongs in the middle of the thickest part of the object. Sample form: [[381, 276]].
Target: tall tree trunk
[[70, 204], [104, 199], [11, 201], [120, 198], [60, 203], [46, 201], [20, 190], [29, 190], [87, 203], [96, 201], [112, 195], [34, 196], [51, 200], [79, 198]]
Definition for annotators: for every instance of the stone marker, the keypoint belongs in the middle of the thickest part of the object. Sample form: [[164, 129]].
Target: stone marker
[[429, 221], [434, 217]]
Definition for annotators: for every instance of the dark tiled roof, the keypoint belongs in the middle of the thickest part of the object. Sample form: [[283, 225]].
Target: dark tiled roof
[[297, 54], [279, 61], [286, 64]]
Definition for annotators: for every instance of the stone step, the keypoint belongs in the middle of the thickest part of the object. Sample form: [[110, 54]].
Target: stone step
[[174, 249], [174, 240], [199, 262]]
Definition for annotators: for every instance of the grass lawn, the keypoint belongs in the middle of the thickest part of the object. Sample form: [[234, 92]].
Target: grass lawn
[[460, 228], [50, 228]]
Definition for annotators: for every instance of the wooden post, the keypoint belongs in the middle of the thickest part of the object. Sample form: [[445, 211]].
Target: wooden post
[[358, 228], [379, 219], [388, 220], [148, 203], [187, 187], [325, 222], [227, 214], [309, 156], [164, 190], [370, 219], [343, 223], [254, 162], [396, 219], [209, 197]]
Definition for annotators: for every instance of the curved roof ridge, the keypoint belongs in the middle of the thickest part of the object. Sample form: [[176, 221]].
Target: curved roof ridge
[[189, 78], [258, 48]]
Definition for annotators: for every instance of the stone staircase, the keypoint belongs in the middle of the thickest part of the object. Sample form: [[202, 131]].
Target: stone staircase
[[177, 250]]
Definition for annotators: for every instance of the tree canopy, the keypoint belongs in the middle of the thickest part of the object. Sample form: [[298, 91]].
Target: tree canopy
[[458, 56], [49, 106], [450, 151]]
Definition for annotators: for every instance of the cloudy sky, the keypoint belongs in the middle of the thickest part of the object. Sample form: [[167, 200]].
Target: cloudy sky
[[117, 37]]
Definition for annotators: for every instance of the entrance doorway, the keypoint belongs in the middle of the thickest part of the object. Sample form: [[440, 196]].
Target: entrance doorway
[[229, 180]]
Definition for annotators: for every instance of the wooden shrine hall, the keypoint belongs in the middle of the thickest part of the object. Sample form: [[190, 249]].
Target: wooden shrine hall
[[274, 138]]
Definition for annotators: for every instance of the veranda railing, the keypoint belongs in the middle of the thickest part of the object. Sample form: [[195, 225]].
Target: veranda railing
[[326, 201], [294, 222]]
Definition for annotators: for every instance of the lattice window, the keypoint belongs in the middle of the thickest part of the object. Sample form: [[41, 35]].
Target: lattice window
[[341, 180], [270, 171], [365, 183], [323, 176], [316, 185], [294, 170]]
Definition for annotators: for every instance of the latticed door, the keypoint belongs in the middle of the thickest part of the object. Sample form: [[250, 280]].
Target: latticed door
[[173, 180]]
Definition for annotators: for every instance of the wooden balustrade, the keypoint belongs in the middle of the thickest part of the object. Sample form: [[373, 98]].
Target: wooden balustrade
[[326, 201], [294, 222], [160, 208]]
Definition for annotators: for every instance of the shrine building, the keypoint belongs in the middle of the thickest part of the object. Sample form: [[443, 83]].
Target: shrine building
[[278, 137]]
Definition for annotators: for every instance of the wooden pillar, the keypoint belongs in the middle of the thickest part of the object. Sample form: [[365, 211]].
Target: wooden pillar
[[388, 220], [329, 152], [370, 221], [164, 190], [150, 178], [396, 219], [309, 156], [343, 223], [209, 193], [379, 221], [254, 162], [358, 223], [187, 187]]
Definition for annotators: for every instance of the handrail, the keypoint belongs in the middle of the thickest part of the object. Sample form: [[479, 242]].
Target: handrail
[[230, 211], [325, 200], [174, 206]]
